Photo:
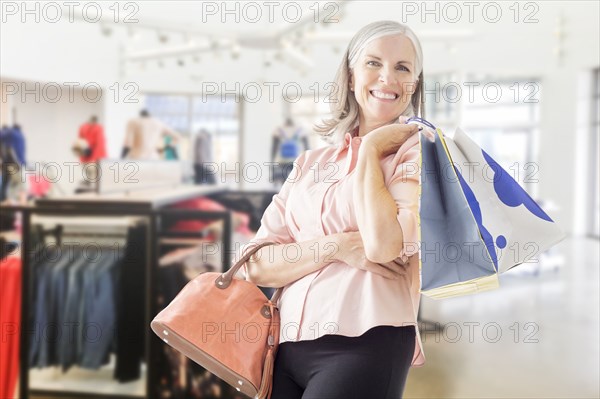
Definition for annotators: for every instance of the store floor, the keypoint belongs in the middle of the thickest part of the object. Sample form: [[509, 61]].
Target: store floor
[[556, 356]]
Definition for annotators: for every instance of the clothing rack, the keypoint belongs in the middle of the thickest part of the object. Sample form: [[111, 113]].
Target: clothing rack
[[156, 216]]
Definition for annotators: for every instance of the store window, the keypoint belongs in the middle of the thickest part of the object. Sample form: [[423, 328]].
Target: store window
[[220, 115], [171, 110], [503, 117], [442, 100]]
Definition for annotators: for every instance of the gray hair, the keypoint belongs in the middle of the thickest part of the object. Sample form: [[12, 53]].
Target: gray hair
[[343, 106]]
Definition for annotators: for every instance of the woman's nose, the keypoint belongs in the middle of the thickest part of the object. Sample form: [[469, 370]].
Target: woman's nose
[[385, 76]]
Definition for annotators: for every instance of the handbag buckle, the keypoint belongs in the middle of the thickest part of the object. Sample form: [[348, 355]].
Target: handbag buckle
[[221, 282], [266, 312]]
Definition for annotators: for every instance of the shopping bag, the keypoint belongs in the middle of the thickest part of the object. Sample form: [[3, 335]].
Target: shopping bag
[[475, 220], [453, 257], [513, 226]]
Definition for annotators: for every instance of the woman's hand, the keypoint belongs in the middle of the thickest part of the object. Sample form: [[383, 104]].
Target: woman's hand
[[388, 139], [350, 250]]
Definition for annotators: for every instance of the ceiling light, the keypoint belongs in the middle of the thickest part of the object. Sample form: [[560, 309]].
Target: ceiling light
[[235, 51], [133, 33], [189, 40], [163, 37], [106, 30]]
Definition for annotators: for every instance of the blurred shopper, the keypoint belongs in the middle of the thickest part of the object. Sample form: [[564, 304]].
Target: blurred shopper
[[203, 158], [144, 137]]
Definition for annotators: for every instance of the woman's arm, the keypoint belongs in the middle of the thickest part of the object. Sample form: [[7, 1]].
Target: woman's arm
[[278, 265], [376, 210]]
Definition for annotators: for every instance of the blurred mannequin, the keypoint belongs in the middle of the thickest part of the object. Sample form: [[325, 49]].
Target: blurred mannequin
[[288, 142], [144, 137], [12, 157], [18, 143], [91, 145], [170, 151], [203, 156]]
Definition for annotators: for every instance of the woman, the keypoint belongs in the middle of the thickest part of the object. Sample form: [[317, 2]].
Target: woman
[[347, 230]]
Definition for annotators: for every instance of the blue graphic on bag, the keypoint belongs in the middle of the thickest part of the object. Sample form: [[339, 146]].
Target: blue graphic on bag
[[290, 146], [476, 210], [510, 192]]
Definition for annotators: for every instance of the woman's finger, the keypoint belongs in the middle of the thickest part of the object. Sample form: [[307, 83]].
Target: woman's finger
[[393, 267], [429, 134], [397, 266], [400, 262], [383, 271]]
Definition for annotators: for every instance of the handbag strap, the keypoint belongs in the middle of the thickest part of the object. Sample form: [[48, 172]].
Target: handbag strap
[[224, 280]]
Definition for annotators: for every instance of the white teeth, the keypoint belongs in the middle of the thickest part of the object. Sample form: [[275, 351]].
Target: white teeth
[[385, 96]]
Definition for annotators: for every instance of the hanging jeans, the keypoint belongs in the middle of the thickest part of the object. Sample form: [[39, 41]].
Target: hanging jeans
[[373, 365]]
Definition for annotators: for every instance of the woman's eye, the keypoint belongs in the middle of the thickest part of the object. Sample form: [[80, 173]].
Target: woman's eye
[[403, 68], [372, 63]]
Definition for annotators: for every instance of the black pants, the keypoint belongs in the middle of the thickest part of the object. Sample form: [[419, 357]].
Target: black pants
[[373, 365]]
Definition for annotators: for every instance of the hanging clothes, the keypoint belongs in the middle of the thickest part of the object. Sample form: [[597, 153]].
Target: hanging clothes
[[10, 320], [74, 310], [131, 321]]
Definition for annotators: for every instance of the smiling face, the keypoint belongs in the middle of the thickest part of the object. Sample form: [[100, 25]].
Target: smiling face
[[383, 80]]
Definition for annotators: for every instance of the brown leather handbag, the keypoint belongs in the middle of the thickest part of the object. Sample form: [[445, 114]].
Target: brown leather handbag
[[226, 325]]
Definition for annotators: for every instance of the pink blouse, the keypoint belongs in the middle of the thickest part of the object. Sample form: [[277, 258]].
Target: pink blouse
[[316, 200]]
